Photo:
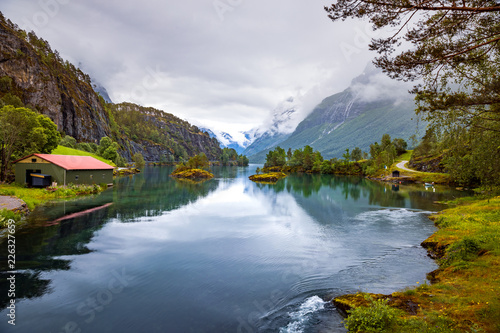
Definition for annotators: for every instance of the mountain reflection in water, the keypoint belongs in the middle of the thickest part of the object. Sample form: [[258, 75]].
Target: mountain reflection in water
[[153, 254]]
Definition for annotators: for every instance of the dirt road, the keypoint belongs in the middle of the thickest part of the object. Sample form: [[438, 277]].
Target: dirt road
[[401, 165]]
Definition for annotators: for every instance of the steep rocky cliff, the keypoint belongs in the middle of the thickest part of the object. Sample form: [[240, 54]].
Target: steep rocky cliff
[[44, 82], [37, 77], [157, 134]]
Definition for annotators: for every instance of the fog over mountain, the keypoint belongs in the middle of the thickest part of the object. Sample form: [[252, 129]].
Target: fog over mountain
[[222, 64], [372, 105]]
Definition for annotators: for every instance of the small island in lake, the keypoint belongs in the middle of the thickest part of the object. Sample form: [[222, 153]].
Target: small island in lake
[[270, 177], [187, 173], [193, 169]]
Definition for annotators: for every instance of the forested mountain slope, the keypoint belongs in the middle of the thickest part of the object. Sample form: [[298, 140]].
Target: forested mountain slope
[[35, 76], [353, 118]]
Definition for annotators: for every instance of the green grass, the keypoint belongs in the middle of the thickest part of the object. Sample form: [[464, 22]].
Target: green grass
[[36, 196], [464, 294], [187, 173], [270, 177], [405, 157], [61, 150], [418, 176]]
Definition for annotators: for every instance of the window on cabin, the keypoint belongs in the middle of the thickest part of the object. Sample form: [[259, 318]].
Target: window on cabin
[[76, 177], [33, 160]]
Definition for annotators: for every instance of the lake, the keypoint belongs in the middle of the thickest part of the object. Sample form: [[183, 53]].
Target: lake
[[153, 254]]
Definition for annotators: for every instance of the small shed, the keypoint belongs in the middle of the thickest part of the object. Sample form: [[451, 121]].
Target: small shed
[[396, 174], [43, 169]]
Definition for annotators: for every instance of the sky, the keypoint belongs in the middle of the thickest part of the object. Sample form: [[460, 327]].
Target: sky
[[221, 64]]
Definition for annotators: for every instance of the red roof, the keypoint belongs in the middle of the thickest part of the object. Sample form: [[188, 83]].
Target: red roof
[[70, 162]]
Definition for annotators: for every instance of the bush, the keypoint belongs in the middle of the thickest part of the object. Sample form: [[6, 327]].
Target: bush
[[120, 161], [68, 141], [6, 215], [5, 84], [139, 161], [466, 249], [9, 99], [378, 317], [86, 147]]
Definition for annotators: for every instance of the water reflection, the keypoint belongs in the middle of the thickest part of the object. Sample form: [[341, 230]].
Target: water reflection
[[209, 252], [63, 229], [352, 189]]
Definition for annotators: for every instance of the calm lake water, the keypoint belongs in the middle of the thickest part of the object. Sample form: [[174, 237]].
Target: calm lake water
[[155, 255]]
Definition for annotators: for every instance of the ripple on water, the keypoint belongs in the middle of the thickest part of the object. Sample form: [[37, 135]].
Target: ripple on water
[[301, 317]]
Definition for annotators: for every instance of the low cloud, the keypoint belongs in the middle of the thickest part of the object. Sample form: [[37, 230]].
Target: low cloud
[[374, 85], [223, 64]]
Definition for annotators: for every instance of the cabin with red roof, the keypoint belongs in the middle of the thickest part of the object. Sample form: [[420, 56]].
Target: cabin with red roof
[[41, 170]]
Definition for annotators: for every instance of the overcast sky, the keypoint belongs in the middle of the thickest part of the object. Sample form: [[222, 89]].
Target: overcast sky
[[224, 64]]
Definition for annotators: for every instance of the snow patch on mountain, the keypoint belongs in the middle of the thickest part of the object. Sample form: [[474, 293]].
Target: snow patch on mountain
[[238, 141], [283, 120]]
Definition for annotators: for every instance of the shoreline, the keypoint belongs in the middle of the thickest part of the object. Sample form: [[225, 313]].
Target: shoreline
[[459, 296], [19, 201]]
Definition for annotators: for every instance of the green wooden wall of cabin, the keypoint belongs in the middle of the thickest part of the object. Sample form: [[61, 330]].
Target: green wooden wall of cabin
[[57, 173], [89, 176]]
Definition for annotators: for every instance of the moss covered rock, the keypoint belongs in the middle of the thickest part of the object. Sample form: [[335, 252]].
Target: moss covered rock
[[192, 174], [271, 177]]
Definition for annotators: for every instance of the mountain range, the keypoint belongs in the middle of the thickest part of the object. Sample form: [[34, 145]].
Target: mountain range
[[228, 141], [358, 116]]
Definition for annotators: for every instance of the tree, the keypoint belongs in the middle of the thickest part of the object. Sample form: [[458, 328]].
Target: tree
[[15, 101], [243, 160], [326, 166], [308, 158], [199, 161], [428, 145], [400, 145], [375, 150], [225, 157], [120, 161], [356, 154], [139, 160], [68, 141], [22, 132], [454, 46], [474, 158], [276, 157], [111, 153], [297, 158], [346, 156], [163, 159], [50, 134], [5, 84], [385, 142], [104, 144], [318, 160]]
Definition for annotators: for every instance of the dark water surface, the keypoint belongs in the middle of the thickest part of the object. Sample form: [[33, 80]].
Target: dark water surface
[[228, 255]]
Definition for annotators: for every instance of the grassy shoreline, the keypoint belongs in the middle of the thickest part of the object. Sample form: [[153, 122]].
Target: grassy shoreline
[[464, 294], [34, 197]]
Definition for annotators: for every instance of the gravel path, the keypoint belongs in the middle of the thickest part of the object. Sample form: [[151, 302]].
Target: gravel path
[[401, 165]]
